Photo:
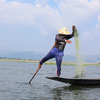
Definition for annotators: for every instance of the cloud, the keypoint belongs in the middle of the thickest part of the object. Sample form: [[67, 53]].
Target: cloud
[[68, 12], [79, 12], [44, 32], [2, 0], [97, 27], [99, 18], [15, 12], [87, 36], [30, 14]]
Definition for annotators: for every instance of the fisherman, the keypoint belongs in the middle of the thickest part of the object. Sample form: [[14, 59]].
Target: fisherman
[[58, 49]]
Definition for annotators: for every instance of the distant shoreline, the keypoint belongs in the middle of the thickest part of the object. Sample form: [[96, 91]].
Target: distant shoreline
[[48, 62]]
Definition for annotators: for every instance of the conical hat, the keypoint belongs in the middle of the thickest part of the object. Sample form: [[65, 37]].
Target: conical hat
[[63, 31]]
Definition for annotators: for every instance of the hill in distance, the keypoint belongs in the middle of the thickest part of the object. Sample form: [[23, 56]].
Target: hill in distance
[[39, 56]]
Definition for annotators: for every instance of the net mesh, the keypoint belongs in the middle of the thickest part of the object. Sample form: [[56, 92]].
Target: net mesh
[[79, 68]]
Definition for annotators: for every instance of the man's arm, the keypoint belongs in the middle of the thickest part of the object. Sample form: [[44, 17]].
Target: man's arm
[[72, 35], [57, 38]]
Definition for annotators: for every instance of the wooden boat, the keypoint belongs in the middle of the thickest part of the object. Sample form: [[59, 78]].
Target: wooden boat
[[76, 81]]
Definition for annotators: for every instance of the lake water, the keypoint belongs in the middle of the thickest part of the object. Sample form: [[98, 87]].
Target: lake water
[[14, 78]]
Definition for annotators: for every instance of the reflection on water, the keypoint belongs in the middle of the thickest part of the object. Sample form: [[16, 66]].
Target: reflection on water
[[14, 78], [77, 93]]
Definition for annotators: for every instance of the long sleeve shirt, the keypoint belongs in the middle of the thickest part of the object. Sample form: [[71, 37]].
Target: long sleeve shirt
[[60, 44]]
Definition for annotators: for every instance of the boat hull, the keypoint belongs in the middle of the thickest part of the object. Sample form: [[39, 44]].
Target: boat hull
[[76, 81]]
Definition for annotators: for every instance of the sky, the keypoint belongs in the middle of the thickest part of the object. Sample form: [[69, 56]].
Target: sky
[[31, 25]]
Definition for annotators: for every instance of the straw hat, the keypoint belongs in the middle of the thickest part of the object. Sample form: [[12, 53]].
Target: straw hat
[[63, 31]]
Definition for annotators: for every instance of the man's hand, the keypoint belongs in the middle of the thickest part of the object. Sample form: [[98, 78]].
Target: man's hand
[[73, 26], [68, 41]]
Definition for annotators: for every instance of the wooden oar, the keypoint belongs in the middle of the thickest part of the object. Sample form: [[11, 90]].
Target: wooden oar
[[53, 45], [39, 68], [34, 75]]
